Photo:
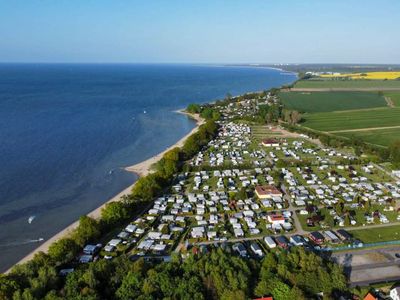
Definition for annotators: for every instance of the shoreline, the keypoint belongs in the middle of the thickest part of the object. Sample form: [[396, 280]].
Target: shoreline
[[144, 168], [141, 169]]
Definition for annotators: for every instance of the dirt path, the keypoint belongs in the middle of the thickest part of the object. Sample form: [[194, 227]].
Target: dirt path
[[389, 101], [286, 133], [363, 129]]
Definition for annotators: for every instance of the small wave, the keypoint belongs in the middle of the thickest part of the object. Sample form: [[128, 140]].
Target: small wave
[[31, 218], [23, 242]]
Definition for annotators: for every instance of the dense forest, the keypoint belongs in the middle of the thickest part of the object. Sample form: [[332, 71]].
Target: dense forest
[[208, 274]]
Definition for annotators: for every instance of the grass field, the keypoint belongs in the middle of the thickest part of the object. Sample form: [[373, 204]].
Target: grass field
[[395, 97], [374, 235], [348, 84], [331, 101], [383, 137], [345, 120], [367, 75]]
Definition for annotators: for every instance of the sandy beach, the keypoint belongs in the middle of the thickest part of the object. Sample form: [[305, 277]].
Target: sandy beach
[[142, 169]]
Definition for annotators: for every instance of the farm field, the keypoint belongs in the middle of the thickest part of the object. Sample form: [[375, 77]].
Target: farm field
[[394, 97], [383, 137], [348, 84], [367, 75], [356, 119], [331, 101]]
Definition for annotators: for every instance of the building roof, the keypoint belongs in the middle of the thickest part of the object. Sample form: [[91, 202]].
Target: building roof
[[369, 296], [270, 141], [267, 190], [276, 218]]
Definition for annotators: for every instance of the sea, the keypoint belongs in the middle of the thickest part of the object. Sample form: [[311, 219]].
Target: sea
[[68, 130]]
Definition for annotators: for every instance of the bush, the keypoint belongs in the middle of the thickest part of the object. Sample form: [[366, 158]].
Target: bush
[[87, 230], [63, 251]]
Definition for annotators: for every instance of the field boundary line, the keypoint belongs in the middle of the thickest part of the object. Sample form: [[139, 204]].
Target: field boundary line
[[364, 129], [368, 89]]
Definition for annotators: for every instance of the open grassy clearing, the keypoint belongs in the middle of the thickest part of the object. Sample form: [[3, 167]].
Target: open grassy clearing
[[331, 101], [394, 97], [378, 84], [383, 137], [369, 118], [263, 132], [373, 235]]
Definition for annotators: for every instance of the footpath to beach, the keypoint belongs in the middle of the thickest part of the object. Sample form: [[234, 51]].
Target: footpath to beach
[[142, 169]]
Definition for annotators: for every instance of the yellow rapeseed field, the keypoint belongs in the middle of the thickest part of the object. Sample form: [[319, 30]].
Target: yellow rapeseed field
[[367, 75]]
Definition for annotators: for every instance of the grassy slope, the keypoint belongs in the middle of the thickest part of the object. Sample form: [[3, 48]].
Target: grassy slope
[[384, 137], [331, 101], [348, 84], [369, 118], [372, 235]]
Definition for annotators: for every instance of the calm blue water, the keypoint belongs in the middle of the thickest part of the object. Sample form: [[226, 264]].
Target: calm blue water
[[66, 132]]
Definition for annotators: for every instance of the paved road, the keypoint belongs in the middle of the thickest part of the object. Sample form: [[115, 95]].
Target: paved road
[[376, 265]]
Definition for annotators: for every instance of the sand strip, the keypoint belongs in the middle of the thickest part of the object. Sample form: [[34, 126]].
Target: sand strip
[[142, 169]]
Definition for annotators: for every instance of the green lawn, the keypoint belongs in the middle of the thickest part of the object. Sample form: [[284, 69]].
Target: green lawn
[[348, 84], [373, 235], [395, 97], [331, 101], [369, 118], [383, 137]]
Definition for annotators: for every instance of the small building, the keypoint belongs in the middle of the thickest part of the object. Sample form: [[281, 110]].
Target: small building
[[317, 237], [395, 293], [91, 249], [297, 240], [396, 173], [369, 296], [256, 249], [343, 235], [282, 241], [270, 143], [114, 242], [239, 248], [84, 259], [276, 219], [130, 228], [267, 192]]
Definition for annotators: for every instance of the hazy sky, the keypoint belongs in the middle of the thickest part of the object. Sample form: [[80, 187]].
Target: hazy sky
[[202, 31]]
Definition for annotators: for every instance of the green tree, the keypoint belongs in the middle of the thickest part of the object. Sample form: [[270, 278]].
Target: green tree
[[193, 108], [114, 213], [63, 250], [130, 287], [88, 230], [394, 150], [146, 188], [7, 287], [281, 291]]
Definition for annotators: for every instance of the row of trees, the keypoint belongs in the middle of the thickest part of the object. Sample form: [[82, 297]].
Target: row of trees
[[34, 279], [217, 274], [291, 116]]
